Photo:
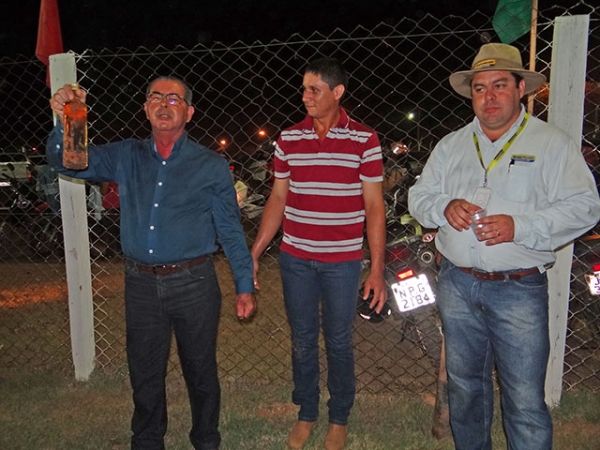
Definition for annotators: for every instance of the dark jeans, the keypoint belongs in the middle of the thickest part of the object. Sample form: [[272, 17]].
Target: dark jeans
[[335, 286], [187, 302]]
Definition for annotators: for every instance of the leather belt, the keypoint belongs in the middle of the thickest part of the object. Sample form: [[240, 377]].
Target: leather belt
[[497, 276], [168, 269]]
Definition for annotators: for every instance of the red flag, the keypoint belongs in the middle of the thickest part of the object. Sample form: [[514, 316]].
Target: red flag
[[49, 40]]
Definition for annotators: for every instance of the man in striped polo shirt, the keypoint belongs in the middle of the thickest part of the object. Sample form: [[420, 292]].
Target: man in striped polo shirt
[[328, 174]]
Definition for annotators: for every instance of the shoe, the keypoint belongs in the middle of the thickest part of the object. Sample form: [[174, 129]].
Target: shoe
[[299, 433], [336, 437]]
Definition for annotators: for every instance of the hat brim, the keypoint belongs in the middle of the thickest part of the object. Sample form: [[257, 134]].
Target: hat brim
[[461, 81]]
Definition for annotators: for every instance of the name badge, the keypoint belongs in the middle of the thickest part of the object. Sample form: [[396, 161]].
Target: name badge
[[481, 197], [521, 160]]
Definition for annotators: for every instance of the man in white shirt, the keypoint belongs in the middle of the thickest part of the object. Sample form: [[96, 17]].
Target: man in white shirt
[[537, 194]]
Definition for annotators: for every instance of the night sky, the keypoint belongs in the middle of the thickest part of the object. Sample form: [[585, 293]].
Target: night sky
[[97, 24]]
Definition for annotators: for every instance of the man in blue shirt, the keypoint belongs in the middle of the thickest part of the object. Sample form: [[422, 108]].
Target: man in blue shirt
[[176, 200], [531, 180]]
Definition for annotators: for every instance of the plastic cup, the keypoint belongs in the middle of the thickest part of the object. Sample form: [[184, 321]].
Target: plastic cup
[[474, 217]]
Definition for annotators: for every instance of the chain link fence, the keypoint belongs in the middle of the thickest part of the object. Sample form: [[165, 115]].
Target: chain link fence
[[244, 95]]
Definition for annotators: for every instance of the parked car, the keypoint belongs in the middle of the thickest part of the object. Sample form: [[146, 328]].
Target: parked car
[[21, 166], [13, 166]]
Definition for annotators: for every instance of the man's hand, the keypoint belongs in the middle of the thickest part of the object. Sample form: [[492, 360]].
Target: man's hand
[[496, 229], [492, 230], [245, 305], [459, 212], [64, 95], [376, 283]]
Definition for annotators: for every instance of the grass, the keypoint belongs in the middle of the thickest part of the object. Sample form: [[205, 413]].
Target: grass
[[42, 407], [48, 410]]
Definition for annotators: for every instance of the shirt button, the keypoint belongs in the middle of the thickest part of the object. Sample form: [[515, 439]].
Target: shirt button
[[150, 251], [156, 205], [57, 145], [160, 183], [164, 163], [152, 227]]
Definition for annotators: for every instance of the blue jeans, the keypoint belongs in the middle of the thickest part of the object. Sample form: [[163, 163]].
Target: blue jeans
[[187, 302], [335, 285], [501, 322]]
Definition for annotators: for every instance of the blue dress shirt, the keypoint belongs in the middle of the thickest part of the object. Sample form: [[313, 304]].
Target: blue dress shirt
[[173, 209]]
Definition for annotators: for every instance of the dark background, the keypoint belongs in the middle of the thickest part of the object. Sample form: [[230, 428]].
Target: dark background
[[97, 24], [111, 29]]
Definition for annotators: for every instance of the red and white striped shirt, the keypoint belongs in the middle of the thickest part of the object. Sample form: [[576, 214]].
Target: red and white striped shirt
[[325, 211]]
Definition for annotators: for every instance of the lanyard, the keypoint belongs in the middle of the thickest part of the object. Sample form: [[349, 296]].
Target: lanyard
[[501, 152]]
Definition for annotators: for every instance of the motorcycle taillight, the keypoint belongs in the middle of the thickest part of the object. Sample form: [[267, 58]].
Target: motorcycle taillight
[[404, 274], [397, 253], [596, 267]]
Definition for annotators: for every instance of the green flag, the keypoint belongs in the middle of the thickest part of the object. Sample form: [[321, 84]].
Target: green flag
[[512, 19]]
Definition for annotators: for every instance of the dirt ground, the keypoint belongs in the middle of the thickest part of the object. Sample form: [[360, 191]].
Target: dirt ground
[[388, 357], [385, 360], [34, 332]]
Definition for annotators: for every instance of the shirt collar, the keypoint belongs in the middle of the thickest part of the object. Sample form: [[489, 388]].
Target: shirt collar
[[176, 146], [343, 122]]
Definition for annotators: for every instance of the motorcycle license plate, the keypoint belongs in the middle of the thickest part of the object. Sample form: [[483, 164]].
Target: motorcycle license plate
[[593, 282], [413, 293]]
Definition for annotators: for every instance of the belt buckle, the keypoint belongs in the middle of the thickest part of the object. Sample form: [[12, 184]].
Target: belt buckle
[[163, 269], [168, 269], [480, 274]]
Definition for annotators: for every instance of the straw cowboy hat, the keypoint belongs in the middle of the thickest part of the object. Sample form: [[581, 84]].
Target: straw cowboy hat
[[496, 57]]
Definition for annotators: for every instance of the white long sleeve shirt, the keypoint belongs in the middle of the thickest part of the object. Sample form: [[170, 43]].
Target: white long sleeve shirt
[[542, 181]]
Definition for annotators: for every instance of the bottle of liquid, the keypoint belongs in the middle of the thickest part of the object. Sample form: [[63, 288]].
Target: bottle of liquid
[[75, 139]]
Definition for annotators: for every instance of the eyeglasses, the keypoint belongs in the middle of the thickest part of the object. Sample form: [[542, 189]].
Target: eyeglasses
[[172, 98]]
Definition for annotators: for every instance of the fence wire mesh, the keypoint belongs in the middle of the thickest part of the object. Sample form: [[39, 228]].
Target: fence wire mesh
[[244, 95]]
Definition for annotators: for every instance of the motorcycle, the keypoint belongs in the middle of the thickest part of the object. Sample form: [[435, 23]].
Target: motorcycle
[[410, 277], [584, 317], [27, 225], [401, 171]]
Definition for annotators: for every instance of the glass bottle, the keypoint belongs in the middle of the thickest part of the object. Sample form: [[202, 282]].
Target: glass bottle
[[75, 139]]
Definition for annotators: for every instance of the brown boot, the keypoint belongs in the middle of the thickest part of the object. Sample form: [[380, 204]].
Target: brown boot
[[299, 433], [336, 437]]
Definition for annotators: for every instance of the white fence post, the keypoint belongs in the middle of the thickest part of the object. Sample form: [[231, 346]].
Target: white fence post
[[567, 91], [77, 248]]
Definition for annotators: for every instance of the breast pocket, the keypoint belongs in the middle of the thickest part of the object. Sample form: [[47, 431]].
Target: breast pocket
[[520, 183]]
